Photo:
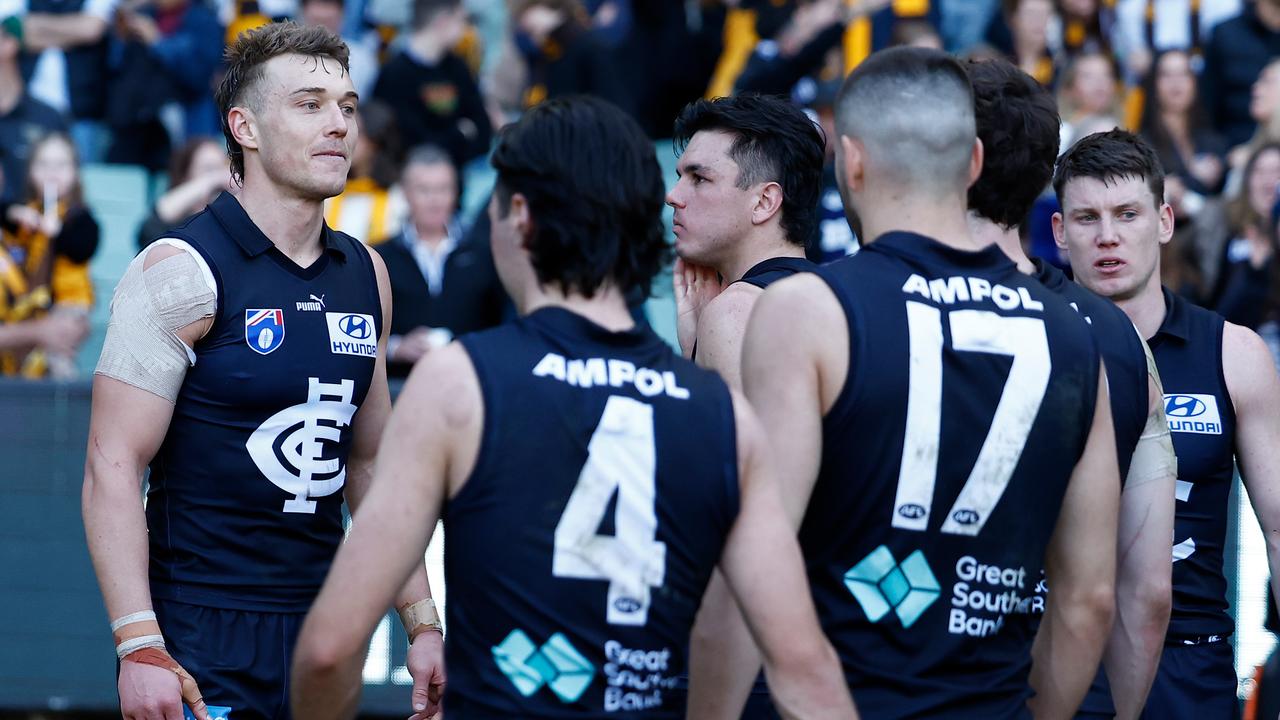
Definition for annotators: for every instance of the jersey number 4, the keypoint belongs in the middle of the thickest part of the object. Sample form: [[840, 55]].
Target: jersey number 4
[[621, 461], [1024, 339]]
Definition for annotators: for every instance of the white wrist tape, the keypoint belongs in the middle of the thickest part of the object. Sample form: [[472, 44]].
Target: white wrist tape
[[138, 643], [132, 618]]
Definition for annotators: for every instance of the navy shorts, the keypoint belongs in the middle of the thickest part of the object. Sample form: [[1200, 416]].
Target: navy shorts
[[240, 659], [1194, 682]]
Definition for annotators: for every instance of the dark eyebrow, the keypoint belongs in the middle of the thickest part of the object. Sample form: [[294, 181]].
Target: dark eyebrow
[[690, 168], [321, 91]]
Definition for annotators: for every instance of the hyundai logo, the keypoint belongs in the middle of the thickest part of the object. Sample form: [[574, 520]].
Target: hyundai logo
[[355, 326], [1183, 406]]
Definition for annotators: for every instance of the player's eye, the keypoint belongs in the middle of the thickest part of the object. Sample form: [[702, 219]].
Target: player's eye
[[1128, 215], [349, 110], [311, 105]]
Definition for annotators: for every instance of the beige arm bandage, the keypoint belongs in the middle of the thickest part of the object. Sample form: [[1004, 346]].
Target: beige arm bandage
[[1153, 458], [142, 348]]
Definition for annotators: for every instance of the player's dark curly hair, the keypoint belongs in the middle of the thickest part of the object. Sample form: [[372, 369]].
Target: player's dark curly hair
[[594, 190], [246, 58], [1017, 121], [774, 141], [1109, 156]]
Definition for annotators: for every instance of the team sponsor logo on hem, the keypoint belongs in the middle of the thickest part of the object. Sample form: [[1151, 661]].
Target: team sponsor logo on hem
[[264, 330]]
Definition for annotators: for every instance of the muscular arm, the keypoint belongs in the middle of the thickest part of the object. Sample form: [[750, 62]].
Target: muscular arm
[[1143, 573], [428, 448], [1081, 567], [764, 570], [1255, 392], [784, 379]]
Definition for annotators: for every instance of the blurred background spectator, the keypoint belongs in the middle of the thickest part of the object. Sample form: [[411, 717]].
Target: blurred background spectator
[[443, 282], [1246, 281], [364, 45], [45, 291], [1238, 51], [371, 207], [23, 119], [198, 171], [1088, 101]]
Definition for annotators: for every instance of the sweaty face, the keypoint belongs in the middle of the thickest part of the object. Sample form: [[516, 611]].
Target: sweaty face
[[711, 212], [306, 124], [431, 192], [1112, 232], [1175, 83], [53, 164]]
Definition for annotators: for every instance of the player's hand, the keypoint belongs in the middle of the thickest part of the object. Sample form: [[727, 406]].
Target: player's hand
[[695, 286], [426, 665], [150, 691]]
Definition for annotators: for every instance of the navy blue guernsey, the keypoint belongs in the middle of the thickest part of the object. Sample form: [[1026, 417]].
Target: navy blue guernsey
[[1122, 354], [946, 455], [581, 544], [244, 509], [1202, 422], [766, 272]]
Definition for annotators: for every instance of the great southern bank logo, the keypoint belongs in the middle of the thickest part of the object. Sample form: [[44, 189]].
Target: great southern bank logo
[[557, 664], [1196, 414], [880, 584], [351, 334]]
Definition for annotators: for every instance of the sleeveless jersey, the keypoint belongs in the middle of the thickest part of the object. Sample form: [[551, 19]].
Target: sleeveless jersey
[[1202, 422], [581, 544], [766, 272], [1122, 354], [970, 393], [245, 504]]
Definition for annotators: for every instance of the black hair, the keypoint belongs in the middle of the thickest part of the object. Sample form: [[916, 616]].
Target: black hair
[[1109, 156], [1018, 124], [424, 11], [1152, 124], [773, 141], [595, 194]]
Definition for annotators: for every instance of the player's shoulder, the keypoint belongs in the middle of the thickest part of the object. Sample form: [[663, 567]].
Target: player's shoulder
[[728, 312], [445, 378], [1247, 363]]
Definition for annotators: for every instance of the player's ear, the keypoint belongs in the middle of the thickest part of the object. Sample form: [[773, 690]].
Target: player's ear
[[853, 159], [768, 203], [521, 220], [976, 157], [1059, 231], [1166, 222], [244, 127]]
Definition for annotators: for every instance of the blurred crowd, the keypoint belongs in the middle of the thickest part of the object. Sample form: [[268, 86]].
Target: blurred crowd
[[131, 81]]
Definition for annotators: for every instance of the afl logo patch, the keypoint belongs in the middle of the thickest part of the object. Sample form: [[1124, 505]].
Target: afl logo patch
[[352, 334], [264, 330], [1196, 414]]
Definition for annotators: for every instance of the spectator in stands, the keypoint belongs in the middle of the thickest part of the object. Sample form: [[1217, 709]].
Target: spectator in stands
[[166, 53], [372, 206], [1021, 32], [1243, 295], [363, 47], [23, 118], [1145, 27], [1088, 99], [1193, 155], [1086, 27], [64, 61], [563, 57], [1264, 110], [198, 171], [442, 285], [45, 292], [1237, 53], [431, 90]]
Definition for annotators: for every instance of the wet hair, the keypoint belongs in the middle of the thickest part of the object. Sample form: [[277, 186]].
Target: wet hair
[[246, 58], [595, 195], [1017, 121], [1110, 156], [773, 141]]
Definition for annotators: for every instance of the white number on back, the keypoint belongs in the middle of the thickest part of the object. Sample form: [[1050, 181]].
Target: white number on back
[[1024, 339], [620, 459]]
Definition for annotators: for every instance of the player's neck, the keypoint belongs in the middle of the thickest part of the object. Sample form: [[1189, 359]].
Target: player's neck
[[1007, 239], [607, 307], [941, 219], [753, 252], [1146, 308], [291, 223]]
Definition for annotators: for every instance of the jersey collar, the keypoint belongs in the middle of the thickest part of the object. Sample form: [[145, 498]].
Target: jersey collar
[[919, 248], [1049, 275], [1176, 323], [231, 215]]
